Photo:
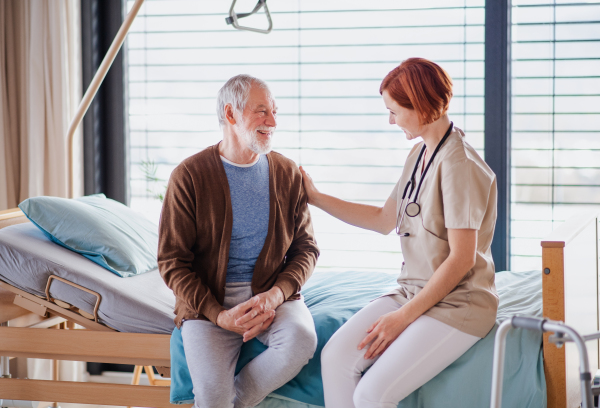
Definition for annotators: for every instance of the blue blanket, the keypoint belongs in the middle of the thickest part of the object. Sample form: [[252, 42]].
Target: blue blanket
[[333, 297]]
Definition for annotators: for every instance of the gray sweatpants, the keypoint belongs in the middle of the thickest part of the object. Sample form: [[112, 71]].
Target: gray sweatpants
[[212, 353]]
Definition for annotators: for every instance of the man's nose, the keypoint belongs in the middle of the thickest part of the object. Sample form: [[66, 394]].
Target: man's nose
[[270, 120]]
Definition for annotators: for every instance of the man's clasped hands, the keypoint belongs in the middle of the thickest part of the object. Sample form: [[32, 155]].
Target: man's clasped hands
[[254, 316]]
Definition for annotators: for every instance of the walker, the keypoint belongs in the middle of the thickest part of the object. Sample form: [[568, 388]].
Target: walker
[[562, 334]]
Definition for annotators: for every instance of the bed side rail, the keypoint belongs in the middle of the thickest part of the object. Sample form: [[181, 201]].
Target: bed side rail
[[73, 316], [87, 393], [68, 306], [86, 345]]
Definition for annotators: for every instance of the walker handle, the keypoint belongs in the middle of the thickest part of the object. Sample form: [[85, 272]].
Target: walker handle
[[530, 323]]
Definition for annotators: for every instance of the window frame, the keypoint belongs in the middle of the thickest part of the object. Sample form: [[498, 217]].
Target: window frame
[[106, 145], [497, 120]]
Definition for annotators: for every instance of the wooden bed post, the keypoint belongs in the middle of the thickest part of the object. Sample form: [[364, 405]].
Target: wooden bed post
[[554, 308], [55, 367], [570, 293]]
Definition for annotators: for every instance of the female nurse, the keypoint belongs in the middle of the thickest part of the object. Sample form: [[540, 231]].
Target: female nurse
[[444, 210]]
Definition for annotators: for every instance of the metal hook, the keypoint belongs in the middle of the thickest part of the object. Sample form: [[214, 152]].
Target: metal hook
[[233, 18]]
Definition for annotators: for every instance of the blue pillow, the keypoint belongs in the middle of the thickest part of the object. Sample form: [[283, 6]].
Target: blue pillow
[[103, 230]]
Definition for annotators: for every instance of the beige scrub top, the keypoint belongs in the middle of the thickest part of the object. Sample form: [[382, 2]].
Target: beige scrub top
[[458, 192]]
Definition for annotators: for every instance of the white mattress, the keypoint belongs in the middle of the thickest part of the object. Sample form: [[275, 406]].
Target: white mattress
[[138, 304]]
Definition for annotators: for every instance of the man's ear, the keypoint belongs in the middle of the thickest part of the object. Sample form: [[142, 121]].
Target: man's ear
[[229, 114]]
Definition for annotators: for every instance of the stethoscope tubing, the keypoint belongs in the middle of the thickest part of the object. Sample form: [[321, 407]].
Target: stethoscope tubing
[[411, 183]]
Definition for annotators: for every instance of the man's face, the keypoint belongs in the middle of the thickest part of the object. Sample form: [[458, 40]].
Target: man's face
[[258, 121]]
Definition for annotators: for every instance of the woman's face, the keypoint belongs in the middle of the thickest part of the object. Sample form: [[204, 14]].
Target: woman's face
[[406, 119]]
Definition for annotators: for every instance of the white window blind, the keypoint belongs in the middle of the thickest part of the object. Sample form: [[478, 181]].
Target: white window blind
[[324, 62], [556, 119]]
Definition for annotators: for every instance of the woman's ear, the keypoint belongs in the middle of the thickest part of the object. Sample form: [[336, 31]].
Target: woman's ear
[[229, 114]]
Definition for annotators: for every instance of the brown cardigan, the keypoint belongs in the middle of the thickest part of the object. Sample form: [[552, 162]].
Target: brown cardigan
[[195, 233]]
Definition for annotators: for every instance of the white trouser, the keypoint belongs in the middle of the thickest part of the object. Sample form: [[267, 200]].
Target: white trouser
[[212, 353], [422, 351]]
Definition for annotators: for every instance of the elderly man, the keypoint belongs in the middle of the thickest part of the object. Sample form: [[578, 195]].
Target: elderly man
[[236, 245]]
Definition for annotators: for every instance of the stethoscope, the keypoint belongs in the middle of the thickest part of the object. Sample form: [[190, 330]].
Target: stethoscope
[[412, 209]]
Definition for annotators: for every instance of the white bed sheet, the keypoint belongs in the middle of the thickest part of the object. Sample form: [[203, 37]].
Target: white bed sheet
[[138, 304]]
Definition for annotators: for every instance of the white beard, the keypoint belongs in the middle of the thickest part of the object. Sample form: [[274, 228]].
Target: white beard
[[251, 138]]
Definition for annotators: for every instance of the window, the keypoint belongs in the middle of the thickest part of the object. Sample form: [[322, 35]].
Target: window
[[324, 62], [555, 119]]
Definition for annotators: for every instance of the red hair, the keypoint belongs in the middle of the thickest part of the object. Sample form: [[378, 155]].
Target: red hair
[[421, 85]]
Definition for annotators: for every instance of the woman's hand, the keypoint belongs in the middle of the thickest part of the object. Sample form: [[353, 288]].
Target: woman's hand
[[383, 333], [379, 219], [309, 186]]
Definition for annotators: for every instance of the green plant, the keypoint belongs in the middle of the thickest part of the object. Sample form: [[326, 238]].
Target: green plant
[[149, 169]]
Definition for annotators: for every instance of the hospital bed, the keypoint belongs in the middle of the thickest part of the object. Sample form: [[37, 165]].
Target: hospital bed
[[141, 308], [128, 320]]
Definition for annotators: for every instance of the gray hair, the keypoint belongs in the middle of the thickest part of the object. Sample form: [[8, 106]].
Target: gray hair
[[235, 92]]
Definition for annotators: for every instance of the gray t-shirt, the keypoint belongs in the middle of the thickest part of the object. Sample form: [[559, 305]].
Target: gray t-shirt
[[249, 189]]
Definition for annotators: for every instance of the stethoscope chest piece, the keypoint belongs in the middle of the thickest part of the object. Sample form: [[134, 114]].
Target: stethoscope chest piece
[[413, 209]]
